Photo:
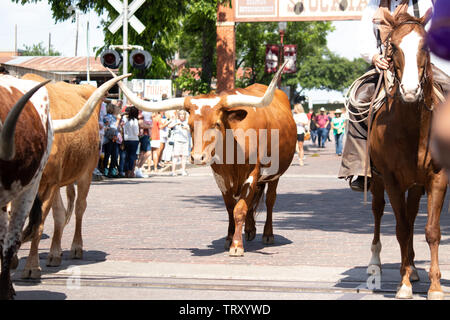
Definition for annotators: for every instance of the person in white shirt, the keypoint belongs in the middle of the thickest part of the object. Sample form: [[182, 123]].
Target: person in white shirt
[[352, 164], [301, 120], [131, 140]]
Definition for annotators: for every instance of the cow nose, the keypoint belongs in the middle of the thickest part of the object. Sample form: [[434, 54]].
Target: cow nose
[[197, 158]]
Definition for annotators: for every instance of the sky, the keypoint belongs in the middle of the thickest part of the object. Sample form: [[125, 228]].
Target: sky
[[35, 22]]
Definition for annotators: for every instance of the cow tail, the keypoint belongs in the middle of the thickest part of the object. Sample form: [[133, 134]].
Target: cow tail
[[34, 221], [70, 193], [257, 199]]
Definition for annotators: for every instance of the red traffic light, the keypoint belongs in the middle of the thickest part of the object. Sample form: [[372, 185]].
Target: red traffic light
[[111, 59], [140, 59]]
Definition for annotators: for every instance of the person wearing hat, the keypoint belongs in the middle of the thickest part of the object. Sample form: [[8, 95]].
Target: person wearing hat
[[322, 123], [338, 126]]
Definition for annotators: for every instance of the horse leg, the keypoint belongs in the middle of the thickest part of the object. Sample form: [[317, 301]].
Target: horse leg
[[83, 186], [59, 216], [412, 208], [378, 203], [240, 212], [398, 203], [436, 192], [271, 196], [32, 269]]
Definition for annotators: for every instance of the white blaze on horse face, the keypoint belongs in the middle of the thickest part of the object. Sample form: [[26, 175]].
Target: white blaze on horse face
[[410, 83], [200, 103]]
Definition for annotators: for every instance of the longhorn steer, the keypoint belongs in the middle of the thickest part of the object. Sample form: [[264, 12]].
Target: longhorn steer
[[25, 145], [73, 158], [248, 136]]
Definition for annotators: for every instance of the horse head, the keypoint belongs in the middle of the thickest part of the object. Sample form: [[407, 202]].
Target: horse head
[[405, 44]]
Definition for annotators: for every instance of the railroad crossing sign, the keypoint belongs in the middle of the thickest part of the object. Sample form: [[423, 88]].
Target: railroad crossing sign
[[132, 8]]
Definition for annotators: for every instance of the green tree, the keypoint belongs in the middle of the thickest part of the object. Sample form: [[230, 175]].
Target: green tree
[[161, 18], [39, 50]]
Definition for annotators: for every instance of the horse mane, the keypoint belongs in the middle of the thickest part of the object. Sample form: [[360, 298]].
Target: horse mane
[[405, 17]]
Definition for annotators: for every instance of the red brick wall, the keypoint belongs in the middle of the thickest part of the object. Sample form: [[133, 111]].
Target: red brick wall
[[225, 48]]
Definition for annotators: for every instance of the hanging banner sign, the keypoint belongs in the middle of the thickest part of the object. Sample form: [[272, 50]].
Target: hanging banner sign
[[297, 10], [290, 54], [272, 52]]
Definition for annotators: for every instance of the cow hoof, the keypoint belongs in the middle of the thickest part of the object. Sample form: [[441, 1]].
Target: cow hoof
[[249, 236], [414, 276], [404, 292], [268, 240], [227, 244], [14, 262], [435, 295], [76, 253], [236, 252], [54, 261], [31, 273]]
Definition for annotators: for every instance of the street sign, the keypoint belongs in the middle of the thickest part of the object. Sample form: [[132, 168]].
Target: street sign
[[132, 8]]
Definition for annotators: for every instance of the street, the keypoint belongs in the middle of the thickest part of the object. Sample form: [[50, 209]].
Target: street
[[163, 237]]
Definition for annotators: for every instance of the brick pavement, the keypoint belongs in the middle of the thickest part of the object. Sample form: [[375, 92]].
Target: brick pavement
[[318, 221]]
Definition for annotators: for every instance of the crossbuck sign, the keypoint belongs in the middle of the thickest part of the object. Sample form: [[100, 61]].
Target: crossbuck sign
[[132, 8]]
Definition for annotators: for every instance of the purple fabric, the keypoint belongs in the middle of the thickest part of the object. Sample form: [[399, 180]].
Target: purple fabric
[[438, 37]]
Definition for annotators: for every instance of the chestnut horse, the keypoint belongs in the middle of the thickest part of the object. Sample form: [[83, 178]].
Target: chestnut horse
[[399, 150]]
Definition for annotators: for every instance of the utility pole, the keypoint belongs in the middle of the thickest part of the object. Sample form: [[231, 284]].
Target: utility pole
[[76, 34], [15, 40], [49, 42], [125, 44], [87, 47]]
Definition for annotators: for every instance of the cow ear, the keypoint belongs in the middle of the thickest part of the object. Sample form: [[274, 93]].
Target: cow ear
[[235, 115]]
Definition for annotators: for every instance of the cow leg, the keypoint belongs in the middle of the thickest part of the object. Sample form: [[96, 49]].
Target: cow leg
[[436, 192], [32, 269], [250, 226], [20, 209], [83, 185], [240, 212], [412, 208], [229, 203], [4, 221], [59, 215], [378, 203], [271, 196], [403, 229]]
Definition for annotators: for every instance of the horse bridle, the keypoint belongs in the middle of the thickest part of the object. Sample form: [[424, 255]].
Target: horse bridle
[[387, 44]]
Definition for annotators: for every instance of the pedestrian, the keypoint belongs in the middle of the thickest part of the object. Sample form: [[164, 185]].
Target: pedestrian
[[322, 123], [167, 154], [181, 138], [155, 143], [110, 146], [338, 126], [131, 132], [145, 150], [301, 120], [313, 128]]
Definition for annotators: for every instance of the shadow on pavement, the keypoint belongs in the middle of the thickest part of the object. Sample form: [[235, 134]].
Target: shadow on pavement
[[39, 295], [332, 210]]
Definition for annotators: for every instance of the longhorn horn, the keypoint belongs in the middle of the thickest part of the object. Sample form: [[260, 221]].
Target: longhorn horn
[[7, 146], [164, 105], [80, 119], [257, 102]]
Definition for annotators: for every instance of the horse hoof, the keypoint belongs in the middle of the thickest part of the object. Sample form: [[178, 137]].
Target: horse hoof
[[268, 240], [435, 295], [414, 276], [236, 252], [249, 236], [14, 262], [76, 253], [31, 273], [53, 261], [404, 292]]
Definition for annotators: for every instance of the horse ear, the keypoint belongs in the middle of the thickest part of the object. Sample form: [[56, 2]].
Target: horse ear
[[426, 17], [388, 17]]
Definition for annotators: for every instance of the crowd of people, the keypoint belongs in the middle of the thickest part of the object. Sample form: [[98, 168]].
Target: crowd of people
[[318, 127], [132, 140]]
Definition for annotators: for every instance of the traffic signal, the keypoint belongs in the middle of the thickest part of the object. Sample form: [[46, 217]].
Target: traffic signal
[[140, 59], [111, 59]]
